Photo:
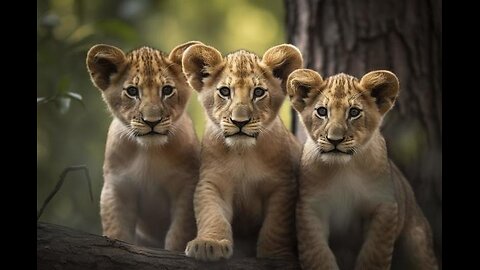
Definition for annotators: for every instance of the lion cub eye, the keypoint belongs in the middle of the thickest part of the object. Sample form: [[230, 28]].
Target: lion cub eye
[[167, 90], [224, 91], [322, 111], [258, 92], [354, 112], [132, 91]]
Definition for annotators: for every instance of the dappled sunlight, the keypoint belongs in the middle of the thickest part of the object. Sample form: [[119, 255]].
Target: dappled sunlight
[[250, 28]]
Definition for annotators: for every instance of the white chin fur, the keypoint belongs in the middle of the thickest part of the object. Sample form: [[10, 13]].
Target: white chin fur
[[335, 158], [240, 142], [149, 141]]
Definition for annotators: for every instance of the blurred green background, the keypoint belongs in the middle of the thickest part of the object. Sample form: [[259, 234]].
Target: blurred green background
[[72, 132]]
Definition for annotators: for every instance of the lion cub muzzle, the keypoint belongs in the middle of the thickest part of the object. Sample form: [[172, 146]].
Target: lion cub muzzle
[[240, 117]]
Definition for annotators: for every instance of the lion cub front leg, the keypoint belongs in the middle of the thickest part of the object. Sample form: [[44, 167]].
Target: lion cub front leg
[[118, 210], [312, 234], [376, 251], [277, 235], [213, 212], [182, 227]]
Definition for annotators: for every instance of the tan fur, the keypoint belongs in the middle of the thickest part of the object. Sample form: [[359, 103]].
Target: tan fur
[[247, 184], [148, 179], [355, 206]]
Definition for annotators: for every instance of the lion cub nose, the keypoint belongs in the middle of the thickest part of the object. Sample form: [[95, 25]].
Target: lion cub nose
[[240, 124], [335, 142], [152, 124]]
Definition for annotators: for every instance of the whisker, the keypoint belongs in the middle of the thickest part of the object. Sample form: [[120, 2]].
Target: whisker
[[265, 130], [174, 130], [218, 135], [313, 153]]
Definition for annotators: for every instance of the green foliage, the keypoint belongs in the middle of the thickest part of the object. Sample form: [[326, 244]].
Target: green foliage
[[69, 133]]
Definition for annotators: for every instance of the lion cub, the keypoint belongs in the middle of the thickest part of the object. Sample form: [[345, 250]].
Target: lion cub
[[247, 186], [354, 204], [152, 152]]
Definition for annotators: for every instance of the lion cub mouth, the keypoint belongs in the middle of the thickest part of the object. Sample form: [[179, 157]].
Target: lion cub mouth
[[336, 151], [241, 134], [152, 133]]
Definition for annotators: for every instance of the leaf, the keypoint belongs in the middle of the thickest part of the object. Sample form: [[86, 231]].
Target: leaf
[[76, 96], [43, 100]]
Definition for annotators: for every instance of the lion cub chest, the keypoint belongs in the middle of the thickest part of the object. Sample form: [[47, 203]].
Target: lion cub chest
[[350, 195], [156, 180], [251, 179], [154, 170], [345, 203], [341, 200]]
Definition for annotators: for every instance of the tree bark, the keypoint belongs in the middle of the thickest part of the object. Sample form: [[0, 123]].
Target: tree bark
[[60, 247], [403, 36]]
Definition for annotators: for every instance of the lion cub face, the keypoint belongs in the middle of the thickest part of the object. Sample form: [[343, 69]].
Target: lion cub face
[[240, 92], [145, 89], [341, 113]]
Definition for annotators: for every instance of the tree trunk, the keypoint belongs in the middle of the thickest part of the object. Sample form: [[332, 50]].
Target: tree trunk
[[403, 36], [60, 247]]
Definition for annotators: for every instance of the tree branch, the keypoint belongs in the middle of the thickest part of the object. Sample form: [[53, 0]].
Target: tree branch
[[60, 247], [60, 183]]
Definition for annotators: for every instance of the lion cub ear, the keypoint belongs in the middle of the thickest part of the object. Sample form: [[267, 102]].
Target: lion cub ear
[[103, 61], [177, 53], [199, 62], [283, 59], [383, 86], [303, 86]]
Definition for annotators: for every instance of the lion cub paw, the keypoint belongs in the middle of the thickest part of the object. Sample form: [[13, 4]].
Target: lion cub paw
[[209, 249]]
